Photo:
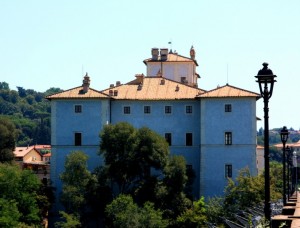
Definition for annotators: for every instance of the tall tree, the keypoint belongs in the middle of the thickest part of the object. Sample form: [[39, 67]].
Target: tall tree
[[75, 178], [7, 140], [131, 153]]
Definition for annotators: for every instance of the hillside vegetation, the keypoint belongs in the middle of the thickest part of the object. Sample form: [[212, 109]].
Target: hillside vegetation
[[29, 111]]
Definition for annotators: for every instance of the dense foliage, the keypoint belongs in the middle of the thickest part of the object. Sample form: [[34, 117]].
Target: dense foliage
[[29, 111], [138, 170], [243, 193], [23, 199], [7, 140]]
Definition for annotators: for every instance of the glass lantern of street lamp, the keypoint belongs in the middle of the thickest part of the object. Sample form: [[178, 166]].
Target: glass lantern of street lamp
[[266, 79], [284, 134]]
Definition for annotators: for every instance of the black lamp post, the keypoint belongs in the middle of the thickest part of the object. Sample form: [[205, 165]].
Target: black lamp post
[[288, 151], [295, 163], [266, 79], [284, 134]]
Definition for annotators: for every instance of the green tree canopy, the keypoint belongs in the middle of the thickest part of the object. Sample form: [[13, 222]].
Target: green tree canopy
[[20, 195], [76, 179], [122, 212], [7, 140], [130, 153]]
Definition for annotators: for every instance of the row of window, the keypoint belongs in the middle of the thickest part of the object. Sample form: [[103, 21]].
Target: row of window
[[228, 170], [147, 109], [168, 137], [188, 139], [168, 109]]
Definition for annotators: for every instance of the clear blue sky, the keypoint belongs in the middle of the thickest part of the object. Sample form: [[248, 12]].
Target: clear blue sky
[[53, 43]]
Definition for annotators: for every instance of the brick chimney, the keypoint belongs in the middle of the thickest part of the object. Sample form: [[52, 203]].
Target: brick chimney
[[86, 83]]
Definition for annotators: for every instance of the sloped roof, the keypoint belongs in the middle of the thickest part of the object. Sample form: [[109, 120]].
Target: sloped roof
[[77, 93], [228, 91], [154, 88], [172, 57], [22, 151]]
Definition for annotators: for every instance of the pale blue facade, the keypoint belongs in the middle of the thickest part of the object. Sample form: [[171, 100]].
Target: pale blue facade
[[215, 142], [215, 155], [178, 123], [65, 123]]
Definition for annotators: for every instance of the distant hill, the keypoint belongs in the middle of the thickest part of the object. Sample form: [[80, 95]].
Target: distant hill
[[29, 111], [274, 136]]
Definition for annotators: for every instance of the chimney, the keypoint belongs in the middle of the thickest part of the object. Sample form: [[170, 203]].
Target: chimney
[[140, 77], [140, 86], [164, 54], [192, 53], [111, 85], [154, 53], [183, 80], [118, 83], [86, 83]]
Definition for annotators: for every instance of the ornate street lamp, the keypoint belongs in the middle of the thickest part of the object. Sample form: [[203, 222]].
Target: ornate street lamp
[[284, 134], [266, 80], [295, 163], [288, 151]]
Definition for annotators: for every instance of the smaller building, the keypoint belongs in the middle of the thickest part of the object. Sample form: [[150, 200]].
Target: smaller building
[[36, 158], [260, 159]]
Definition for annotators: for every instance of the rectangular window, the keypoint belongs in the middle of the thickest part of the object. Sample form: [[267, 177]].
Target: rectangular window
[[147, 109], [188, 139], [228, 170], [168, 137], [127, 110], [228, 138], [189, 168], [189, 109], [168, 109], [77, 139], [78, 108], [228, 108]]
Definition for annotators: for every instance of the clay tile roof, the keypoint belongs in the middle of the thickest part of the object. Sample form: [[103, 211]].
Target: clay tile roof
[[77, 93], [172, 58], [228, 91], [22, 151], [154, 88]]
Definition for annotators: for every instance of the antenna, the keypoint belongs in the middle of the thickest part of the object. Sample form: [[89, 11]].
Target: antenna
[[170, 43], [227, 73]]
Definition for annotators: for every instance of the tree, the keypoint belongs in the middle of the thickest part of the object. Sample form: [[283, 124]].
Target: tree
[[7, 140], [21, 191], [123, 212], [246, 191], [170, 192], [194, 217], [75, 178], [130, 154], [138, 162], [4, 85], [9, 214], [69, 221]]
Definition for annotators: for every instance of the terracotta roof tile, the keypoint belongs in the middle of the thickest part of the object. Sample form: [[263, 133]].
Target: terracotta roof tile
[[22, 151], [172, 58], [154, 88], [77, 93], [229, 91]]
